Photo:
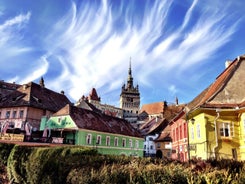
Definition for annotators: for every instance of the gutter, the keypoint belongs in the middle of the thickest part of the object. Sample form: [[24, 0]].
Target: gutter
[[215, 131]]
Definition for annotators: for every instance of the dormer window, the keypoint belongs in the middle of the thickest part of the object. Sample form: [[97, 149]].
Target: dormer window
[[37, 99], [16, 98]]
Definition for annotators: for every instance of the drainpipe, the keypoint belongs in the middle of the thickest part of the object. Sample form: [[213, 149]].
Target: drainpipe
[[215, 131]]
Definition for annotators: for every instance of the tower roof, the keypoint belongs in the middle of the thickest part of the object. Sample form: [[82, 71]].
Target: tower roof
[[93, 95]]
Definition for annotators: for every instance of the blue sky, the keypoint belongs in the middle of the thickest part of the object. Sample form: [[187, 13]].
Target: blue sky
[[177, 48]]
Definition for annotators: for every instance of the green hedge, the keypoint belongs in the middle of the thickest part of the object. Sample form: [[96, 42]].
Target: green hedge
[[75, 164]]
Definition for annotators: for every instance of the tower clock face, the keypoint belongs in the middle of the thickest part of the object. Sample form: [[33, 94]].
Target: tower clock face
[[129, 99]]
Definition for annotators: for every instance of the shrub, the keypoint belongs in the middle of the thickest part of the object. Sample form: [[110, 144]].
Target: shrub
[[5, 150]]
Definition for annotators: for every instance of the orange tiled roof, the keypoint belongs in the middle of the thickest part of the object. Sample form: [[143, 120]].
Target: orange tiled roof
[[153, 108], [90, 120]]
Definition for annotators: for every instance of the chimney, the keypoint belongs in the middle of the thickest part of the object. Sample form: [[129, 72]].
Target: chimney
[[227, 63], [62, 92], [177, 101], [24, 86], [41, 82]]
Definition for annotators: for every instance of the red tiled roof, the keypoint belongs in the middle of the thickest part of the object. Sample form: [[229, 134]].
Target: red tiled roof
[[7, 88], [154, 125], [227, 90], [93, 95], [33, 95], [90, 120]]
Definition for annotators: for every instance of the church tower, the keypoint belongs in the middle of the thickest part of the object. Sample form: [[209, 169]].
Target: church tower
[[130, 96]]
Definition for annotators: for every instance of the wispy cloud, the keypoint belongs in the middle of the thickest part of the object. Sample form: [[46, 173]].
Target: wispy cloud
[[90, 46], [39, 70], [11, 39], [97, 53]]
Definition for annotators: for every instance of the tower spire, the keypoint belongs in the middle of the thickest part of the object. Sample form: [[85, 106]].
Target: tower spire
[[130, 78], [129, 69]]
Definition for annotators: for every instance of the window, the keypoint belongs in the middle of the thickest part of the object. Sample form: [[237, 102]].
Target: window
[[243, 126], [130, 143], [177, 133], [7, 114], [107, 140], [158, 145], [173, 135], [21, 115], [151, 147], [137, 144], [185, 130], [116, 141], [14, 114], [198, 131], [89, 139], [180, 129], [124, 143], [192, 133], [226, 129], [98, 140]]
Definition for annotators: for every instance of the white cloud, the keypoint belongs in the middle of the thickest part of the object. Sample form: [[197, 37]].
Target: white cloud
[[99, 55], [38, 71], [172, 89], [91, 52]]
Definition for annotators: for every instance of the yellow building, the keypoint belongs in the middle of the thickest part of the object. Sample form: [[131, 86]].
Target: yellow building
[[218, 129]]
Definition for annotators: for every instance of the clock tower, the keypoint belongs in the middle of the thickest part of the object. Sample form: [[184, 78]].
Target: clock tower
[[130, 98]]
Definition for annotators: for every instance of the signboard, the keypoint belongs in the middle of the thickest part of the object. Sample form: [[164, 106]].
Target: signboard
[[192, 147], [18, 124], [12, 137]]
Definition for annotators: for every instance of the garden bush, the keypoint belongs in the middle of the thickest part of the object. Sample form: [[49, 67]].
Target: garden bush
[[76, 164]]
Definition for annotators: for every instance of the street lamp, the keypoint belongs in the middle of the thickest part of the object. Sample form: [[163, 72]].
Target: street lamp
[[192, 121]]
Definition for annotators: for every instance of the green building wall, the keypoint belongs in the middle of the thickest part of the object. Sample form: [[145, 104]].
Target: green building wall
[[135, 149], [71, 131]]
